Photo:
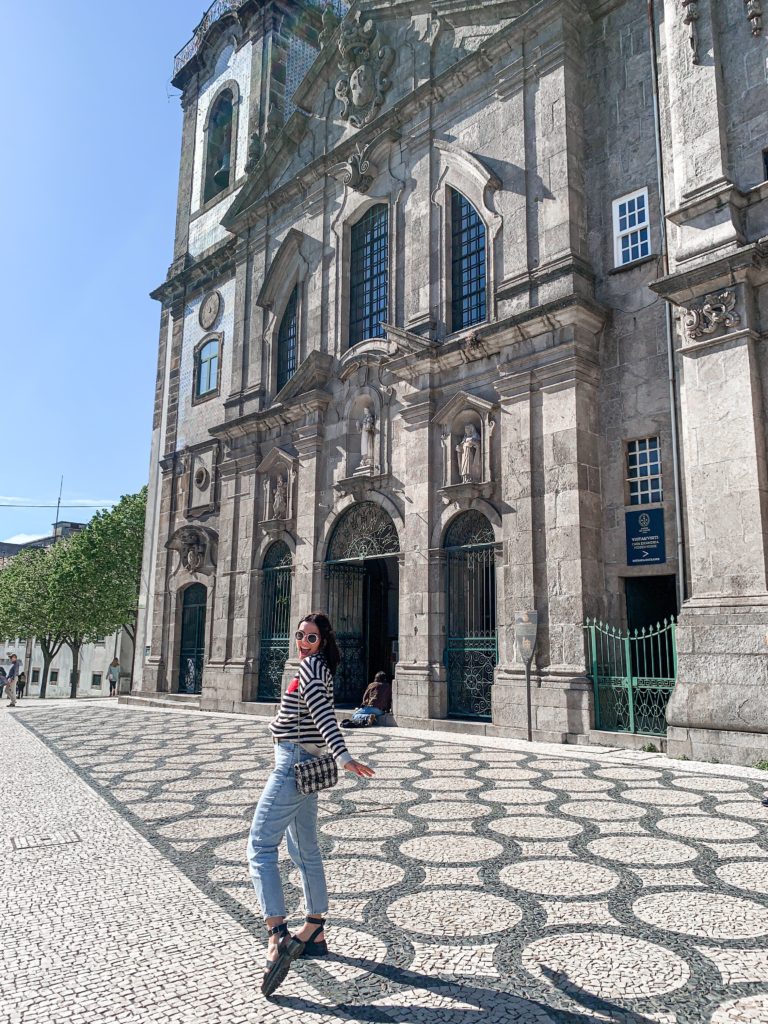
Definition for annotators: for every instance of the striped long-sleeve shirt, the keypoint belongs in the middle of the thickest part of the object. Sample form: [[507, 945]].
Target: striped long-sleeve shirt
[[306, 711]]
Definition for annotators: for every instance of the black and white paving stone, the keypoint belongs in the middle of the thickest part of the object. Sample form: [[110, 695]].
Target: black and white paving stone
[[485, 880]]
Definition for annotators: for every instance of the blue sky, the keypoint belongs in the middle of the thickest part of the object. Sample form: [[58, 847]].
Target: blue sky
[[88, 182]]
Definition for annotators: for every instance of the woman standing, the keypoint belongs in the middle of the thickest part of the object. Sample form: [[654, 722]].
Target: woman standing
[[304, 728], [113, 675]]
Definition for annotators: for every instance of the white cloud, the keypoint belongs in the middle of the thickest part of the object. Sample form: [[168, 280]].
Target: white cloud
[[24, 538]]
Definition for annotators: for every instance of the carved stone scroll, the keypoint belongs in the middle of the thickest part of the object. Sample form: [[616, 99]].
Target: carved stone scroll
[[755, 15], [690, 17], [716, 312], [364, 62]]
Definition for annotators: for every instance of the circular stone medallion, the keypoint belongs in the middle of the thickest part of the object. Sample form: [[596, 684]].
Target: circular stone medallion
[[449, 810], [517, 796], [578, 784], [607, 965], [366, 827], [749, 875], [706, 915], [443, 764], [562, 878], [738, 1011], [454, 913], [209, 310], [508, 774], [451, 849], [662, 797], [344, 874], [602, 810], [633, 850], [536, 828], [712, 784], [706, 828]]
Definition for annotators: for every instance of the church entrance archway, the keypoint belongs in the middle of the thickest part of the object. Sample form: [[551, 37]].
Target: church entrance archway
[[470, 653], [275, 643], [363, 586], [192, 649]]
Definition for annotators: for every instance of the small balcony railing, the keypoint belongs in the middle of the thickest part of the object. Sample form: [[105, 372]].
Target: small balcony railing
[[217, 10]]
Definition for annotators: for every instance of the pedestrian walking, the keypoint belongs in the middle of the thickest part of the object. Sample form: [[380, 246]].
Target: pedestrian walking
[[303, 732], [113, 675], [21, 682], [377, 700], [11, 679]]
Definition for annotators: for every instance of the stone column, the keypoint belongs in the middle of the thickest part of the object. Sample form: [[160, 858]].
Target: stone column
[[719, 707], [419, 691]]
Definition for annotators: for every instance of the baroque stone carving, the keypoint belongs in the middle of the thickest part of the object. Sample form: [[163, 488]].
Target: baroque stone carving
[[330, 24], [365, 63], [196, 547], [356, 175], [716, 312], [755, 15], [690, 17], [255, 152]]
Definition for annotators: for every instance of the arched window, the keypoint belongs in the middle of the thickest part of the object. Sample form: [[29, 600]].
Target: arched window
[[207, 370], [468, 298], [369, 257], [218, 149], [287, 341]]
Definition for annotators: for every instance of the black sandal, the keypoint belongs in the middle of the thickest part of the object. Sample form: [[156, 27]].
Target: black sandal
[[312, 948], [289, 949]]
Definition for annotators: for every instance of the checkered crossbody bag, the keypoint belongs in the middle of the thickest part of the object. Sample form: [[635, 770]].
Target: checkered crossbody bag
[[319, 773]]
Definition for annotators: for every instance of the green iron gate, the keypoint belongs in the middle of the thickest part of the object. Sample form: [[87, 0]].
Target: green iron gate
[[192, 647], [471, 651], [358, 581], [275, 644], [633, 674]]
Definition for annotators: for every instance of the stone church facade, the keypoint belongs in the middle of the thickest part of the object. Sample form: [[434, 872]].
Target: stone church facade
[[462, 295]]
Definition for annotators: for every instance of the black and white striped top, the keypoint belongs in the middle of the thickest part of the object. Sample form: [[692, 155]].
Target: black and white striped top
[[306, 711]]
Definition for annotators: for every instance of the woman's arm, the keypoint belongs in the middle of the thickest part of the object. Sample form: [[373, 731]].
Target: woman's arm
[[312, 690]]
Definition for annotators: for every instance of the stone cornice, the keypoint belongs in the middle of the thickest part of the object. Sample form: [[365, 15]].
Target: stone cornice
[[188, 275], [517, 331], [682, 287]]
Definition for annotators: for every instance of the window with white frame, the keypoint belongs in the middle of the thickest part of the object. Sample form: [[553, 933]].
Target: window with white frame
[[631, 229], [644, 471]]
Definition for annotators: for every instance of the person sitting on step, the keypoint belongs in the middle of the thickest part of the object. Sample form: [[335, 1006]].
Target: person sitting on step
[[377, 700]]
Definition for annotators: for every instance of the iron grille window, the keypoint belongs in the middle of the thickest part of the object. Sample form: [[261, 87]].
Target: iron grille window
[[286, 341], [468, 299], [644, 471], [96, 680], [631, 231], [208, 369], [368, 275]]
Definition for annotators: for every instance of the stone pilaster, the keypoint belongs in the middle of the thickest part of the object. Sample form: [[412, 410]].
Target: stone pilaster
[[419, 690], [719, 708]]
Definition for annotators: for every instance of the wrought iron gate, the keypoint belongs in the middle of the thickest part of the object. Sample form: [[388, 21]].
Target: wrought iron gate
[[192, 647], [275, 643], [633, 675], [357, 590], [471, 650]]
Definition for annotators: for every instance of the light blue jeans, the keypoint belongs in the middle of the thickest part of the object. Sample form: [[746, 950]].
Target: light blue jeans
[[282, 810], [362, 713]]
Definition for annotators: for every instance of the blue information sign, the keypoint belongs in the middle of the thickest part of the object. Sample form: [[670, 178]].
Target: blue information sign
[[645, 537]]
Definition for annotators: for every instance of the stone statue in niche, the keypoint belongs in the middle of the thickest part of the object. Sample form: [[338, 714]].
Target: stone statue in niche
[[367, 439], [280, 500], [467, 451]]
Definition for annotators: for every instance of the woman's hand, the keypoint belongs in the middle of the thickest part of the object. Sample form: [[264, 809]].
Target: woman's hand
[[358, 768]]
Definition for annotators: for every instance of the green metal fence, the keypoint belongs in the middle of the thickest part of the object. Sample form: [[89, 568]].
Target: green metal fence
[[633, 674]]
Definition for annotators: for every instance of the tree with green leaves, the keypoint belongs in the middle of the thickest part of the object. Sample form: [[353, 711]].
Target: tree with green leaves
[[30, 605], [79, 589]]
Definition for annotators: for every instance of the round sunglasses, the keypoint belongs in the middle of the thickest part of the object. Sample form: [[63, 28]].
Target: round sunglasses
[[311, 638]]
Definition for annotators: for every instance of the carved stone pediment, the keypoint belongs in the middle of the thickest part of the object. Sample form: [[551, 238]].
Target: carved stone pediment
[[364, 61], [197, 549], [312, 375]]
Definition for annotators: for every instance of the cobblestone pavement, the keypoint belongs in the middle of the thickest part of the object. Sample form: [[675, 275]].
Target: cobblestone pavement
[[473, 881]]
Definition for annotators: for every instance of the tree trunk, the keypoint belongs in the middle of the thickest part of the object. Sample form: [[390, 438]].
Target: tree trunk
[[50, 650], [74, 677]]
